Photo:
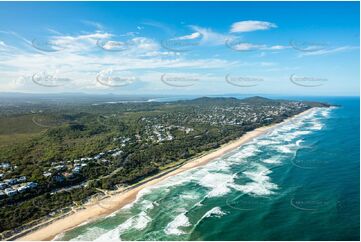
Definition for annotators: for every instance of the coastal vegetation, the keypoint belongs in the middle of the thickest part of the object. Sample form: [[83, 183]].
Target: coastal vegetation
[[72, 152]]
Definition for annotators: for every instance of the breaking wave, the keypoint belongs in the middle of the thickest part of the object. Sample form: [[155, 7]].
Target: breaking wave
[[173, 228], [246, 170]]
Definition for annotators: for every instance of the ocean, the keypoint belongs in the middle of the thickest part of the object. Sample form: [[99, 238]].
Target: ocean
[[299, 181]]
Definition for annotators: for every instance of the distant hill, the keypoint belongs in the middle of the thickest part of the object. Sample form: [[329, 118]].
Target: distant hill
[[257, 99], [249, 100], [227, 100], [211, 100]]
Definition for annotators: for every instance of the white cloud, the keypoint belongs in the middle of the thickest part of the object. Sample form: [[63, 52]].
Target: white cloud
[[79, 59], [251, 25], [3, 46], [145, 44], [244, 46], [111, 44], [189, 37], [82, 60], [328, 51], [209, 37], [278, 47], [78, 42]]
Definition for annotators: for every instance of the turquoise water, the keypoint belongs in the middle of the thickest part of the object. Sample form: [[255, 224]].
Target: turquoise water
[[300, 181]]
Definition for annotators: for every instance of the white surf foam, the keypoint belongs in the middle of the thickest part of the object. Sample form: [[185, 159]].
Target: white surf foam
[[112, 235], [137, 222], [218, 178], [273, 160], [218, 183], [89, 235], [326, 112], [141, 221], [214, 212], [174, 227], [189, 196], [285, 149], [315, 124], [147, 205], [140, 194], [267, 142], [260, 185], [298, 142], [243, 153]]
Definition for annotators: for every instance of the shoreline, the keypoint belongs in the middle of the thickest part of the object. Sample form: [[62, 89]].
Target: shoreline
[[128, 195]]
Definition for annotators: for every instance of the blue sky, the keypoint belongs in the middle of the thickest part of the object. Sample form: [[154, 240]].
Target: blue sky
[[286, 48]]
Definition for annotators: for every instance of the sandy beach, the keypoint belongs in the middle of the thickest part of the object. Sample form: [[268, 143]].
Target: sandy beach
[[117, 201]]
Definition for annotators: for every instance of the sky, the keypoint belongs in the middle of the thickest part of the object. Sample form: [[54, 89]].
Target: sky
[[180, 48]]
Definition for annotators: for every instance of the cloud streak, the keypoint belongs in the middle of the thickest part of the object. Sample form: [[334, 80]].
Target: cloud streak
[[244, 46], [210, 37], [329, 51], [251, 25], [79, 59]]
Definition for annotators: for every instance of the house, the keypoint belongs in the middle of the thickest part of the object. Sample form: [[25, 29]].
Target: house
[[21, 179], [60, 167], [47, 174], [22, 189], [5, 165], [117, 153], [58, 178], [76, 169], [11, 181], [31, 185], [10, 192], [3, 186]]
